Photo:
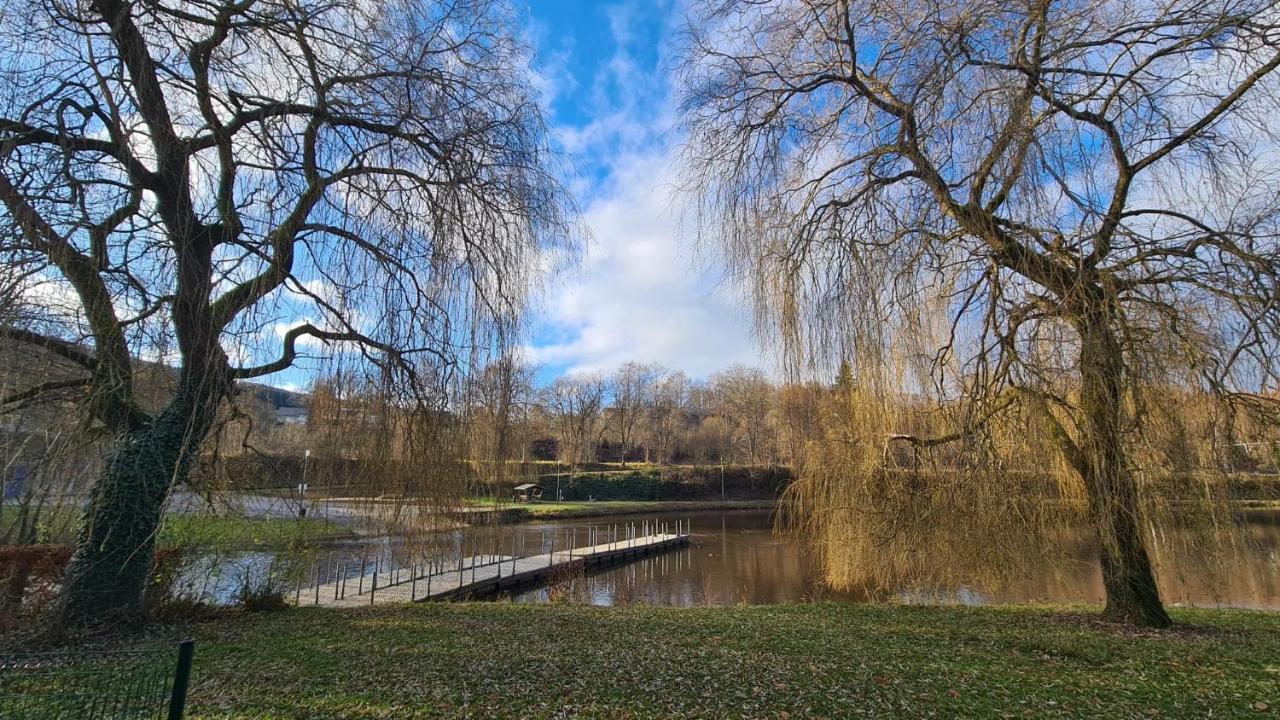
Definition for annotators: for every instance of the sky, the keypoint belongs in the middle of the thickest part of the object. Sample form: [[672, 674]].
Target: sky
[[642, 292]]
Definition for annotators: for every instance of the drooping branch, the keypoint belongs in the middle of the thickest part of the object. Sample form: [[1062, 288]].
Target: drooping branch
[[61, 348], [114, 402], [969, 430], [290, 352], [44, 388]]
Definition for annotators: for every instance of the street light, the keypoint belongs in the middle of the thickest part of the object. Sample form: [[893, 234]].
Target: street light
[[302, 486]]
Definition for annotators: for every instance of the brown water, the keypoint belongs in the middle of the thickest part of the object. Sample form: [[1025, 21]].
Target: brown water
[[735, 558]]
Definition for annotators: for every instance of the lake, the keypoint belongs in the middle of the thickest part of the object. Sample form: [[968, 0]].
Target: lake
[[736, 558]]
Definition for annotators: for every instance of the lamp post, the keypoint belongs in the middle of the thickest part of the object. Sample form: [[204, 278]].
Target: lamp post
[[302, 486]]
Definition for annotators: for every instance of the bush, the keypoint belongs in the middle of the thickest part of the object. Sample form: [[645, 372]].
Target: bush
[[262, 599], [672, 483], [261, 592], [28, 576]]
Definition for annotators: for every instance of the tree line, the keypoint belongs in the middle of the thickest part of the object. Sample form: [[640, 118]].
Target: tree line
[[638, 413]]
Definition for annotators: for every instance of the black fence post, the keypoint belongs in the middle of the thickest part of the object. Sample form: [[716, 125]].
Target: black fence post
[[181, 678]]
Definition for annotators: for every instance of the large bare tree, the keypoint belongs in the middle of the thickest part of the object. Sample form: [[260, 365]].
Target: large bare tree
[[576, 405], [226, 186], [631, 388], [668, 416], [1052, 204], [745, 398], [499, 397]]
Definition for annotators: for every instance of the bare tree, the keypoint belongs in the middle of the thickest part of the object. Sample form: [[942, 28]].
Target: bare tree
[[499, 395], [631, 387], [745, 397], [576, 404], [226, 187], [667, 419], [1045, 205]]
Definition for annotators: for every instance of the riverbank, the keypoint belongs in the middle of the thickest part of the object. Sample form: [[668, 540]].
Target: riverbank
[[222, 532], [517, 513], [500, 660]]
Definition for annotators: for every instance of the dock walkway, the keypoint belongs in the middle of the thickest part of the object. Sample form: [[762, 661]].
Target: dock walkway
[[487, 575]]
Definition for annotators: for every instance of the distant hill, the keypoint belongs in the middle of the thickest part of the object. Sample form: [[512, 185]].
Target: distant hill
[[274, 396]]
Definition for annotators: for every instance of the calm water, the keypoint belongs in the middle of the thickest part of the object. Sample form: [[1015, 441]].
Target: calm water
[[735, 558]]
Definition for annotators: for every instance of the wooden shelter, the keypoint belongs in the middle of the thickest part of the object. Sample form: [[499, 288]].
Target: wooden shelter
[[527, 492]]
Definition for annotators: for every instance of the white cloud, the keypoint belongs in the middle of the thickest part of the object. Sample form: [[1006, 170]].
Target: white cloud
[[640, 295]]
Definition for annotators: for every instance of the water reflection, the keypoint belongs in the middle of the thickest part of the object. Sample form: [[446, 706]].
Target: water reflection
[[737, 559]]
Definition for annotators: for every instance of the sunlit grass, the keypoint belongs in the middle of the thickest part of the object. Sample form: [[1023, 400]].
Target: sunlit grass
[[800, 661]]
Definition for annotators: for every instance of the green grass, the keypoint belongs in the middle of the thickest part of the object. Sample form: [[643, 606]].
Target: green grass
[[59, 525], [624, 507], [602, 508], [215, 531], [800, 661]]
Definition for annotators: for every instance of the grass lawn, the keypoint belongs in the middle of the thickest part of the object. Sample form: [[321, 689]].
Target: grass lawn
[[59, 525], [216, 531], [604, 508], [800, 661]]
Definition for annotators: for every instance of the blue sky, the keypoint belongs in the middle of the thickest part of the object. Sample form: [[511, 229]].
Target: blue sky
[[641, 292]]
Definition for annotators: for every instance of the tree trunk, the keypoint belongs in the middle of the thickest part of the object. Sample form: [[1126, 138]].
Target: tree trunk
[[108, 574], [1127, 575]]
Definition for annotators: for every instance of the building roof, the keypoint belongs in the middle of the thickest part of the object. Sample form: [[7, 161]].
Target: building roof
[[528, 486]]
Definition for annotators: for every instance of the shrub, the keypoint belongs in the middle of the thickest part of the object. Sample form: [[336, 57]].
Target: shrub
[[28, 575], [672, 483], [260, 594]]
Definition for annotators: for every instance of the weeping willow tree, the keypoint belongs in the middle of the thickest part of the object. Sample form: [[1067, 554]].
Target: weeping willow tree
[[230, 188], [1019, 222]]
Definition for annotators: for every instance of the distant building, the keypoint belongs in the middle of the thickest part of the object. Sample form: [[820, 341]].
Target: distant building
[[289, 415]]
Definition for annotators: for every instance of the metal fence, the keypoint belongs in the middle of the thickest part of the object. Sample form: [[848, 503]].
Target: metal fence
[[96, 685]]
